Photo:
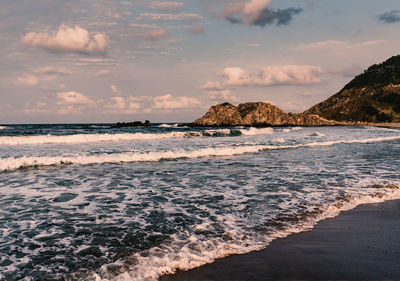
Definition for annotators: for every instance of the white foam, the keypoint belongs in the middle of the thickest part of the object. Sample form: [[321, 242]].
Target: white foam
[[12, 163], [279, 140], [90, 138], [168, 125], [257, 131], [194, 252], [3, 127], [86, 138]]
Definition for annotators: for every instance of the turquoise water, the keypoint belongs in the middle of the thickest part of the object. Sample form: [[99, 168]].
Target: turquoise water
[[89, 202]]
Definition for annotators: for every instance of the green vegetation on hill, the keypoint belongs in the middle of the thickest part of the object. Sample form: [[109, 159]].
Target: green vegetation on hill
[[373, 96], [378, 75]]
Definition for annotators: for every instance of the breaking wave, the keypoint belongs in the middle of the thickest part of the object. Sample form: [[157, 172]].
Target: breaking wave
[[89, 138], [11, 163]]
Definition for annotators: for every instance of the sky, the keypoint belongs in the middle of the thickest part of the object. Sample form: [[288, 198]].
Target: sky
[[85, 61]]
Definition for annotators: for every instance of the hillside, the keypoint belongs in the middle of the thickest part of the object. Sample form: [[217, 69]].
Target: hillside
[[373, 96]]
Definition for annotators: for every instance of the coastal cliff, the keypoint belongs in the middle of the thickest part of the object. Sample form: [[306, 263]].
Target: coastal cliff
[[257, 114]]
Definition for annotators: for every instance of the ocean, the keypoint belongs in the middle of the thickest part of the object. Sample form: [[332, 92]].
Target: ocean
[[92, 202]]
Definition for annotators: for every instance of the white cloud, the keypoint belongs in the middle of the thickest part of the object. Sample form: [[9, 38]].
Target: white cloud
[[166, 5], [156, 34], [170, 102], [27, 79], [172, 17], [333, 44], [273, 76], [68, 40]]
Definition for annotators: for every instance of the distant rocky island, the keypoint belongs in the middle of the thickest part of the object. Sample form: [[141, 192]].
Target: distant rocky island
[[373, 96], [132, 124]]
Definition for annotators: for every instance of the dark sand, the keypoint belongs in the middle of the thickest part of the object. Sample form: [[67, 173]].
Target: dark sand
[[360, 244]]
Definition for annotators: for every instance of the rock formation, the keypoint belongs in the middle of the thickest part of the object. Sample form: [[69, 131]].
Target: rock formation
[[132, 124], [258, 114]]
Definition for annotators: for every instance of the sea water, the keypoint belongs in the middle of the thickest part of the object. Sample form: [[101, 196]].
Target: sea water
[[92, 202]]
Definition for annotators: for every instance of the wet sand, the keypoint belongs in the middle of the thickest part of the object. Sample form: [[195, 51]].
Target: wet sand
[[360, 244]]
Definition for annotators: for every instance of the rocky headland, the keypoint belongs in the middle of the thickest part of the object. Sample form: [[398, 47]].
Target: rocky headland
[[258, 114], [372, 97]]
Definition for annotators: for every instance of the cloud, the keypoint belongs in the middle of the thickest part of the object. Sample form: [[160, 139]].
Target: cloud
[[52, 71], [224, 95], [257, 12], [281, 17], [170, 102], [350, 71], [334, 44], [27, 80], [74, 98], [38, 108], [68, 40], [211, 86], [390, 17], [104, 72], [196, 30], [156, 34], [169, 17], [273, 76], [115, 90], [167, 5], [122, 105]]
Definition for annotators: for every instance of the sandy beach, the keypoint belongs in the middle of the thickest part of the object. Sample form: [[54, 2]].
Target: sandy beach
[[360, 244]]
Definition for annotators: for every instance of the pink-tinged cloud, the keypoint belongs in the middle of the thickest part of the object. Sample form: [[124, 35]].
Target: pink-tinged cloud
[[257, 12], [169, 17], [122, 105], [52, 71], [170, 102], [224, 95], [334, 44], [253, 10], [212, 86], [156, 34], [166, 5], [68, 40], [74, 98], [27, 80], [273, 76]]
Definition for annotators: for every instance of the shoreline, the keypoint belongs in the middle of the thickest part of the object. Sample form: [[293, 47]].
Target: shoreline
[[359, 244]]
